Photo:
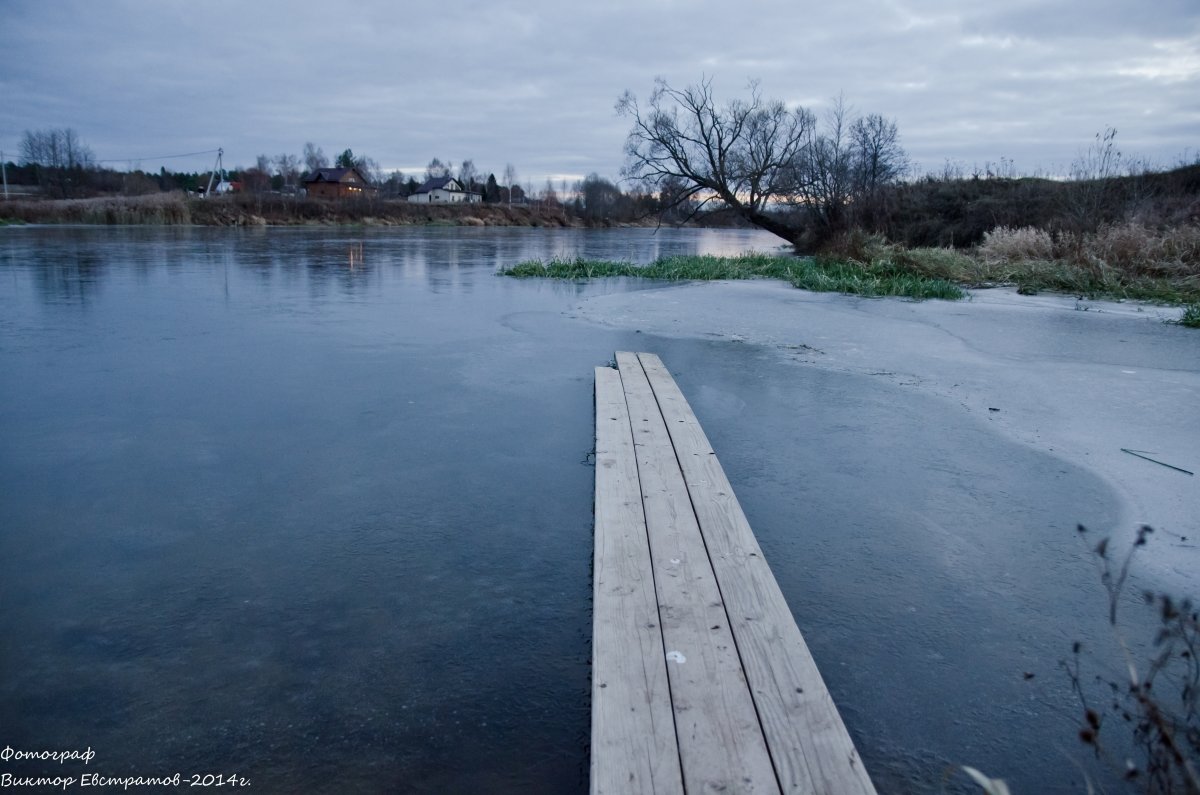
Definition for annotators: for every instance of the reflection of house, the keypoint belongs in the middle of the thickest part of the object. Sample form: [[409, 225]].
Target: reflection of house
[[339, 183], [444, 190]]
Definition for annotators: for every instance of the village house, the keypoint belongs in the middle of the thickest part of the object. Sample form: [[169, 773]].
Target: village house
[[339, 183], [444, 190]]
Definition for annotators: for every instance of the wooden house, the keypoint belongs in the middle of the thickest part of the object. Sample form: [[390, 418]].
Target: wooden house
[[339, 183]]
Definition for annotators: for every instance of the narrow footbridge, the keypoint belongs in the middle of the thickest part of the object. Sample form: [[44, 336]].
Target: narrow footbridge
[[701, 681]]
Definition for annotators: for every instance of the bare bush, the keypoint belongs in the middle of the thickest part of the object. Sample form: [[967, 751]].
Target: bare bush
[[1005, 245], [1137, 250], [153, 209]]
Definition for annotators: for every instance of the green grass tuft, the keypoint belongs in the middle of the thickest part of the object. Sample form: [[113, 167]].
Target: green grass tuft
[[819, 275], [1191, 316]]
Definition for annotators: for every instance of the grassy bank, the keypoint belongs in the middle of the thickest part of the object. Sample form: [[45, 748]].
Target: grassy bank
[[274, 210], [819, 274], [1116, 262], [1119, 261], [152, 209]]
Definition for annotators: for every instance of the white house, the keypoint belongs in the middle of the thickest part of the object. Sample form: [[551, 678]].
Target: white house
[[444, 190]]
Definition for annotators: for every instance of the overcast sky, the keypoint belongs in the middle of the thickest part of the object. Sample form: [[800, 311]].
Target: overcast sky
[[533, 83]]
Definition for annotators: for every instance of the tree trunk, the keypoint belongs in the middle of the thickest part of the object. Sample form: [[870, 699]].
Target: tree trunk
[[773, 225]]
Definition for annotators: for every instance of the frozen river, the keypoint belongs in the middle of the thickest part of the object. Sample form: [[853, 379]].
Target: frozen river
[[314, 506]]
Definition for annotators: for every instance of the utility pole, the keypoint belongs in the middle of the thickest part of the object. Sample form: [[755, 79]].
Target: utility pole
[[4, 171], [217, 166]]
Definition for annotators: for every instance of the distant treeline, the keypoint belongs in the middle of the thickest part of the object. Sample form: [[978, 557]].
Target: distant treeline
[[56, 164], [950, 208]]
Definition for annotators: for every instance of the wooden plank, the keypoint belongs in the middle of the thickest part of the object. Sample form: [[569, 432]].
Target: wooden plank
[[633, 729], [721, 745], [810, 747]]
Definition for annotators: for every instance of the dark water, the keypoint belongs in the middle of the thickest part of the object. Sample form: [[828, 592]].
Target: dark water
[[314, 507]]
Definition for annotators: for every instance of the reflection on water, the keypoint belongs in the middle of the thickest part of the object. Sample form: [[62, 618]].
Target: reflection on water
[[70, 266]]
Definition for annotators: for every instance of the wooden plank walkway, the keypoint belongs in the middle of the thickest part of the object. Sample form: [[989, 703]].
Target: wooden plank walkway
[[701, 681]]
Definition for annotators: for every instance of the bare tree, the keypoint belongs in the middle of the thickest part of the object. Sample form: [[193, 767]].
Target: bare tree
[[369, 168], [394, 184], [826, 178], [771, 164], [58, 148], [744, 155], [287, 166], [257, 179], [510, 179], [436, 169], [60, 158], [879, 156], [600, 198], [467, 175], [314, 158], [1093, 196]]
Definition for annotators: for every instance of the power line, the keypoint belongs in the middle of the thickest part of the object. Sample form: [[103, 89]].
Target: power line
[[164, 157]]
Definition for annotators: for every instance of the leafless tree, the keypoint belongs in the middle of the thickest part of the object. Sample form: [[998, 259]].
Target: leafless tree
[[879, 157], [1093, 196], [258, 178], [826, 180], [467, 174], [287, 166], [743, 154], [314, 158], [878, 161], [600, 198], [510, 179], [60, 156], [369, 168], [436, 169], [59, 148], [771, 164]]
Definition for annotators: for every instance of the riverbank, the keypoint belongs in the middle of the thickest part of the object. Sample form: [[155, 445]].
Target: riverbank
[[279, 210], [907, 273]]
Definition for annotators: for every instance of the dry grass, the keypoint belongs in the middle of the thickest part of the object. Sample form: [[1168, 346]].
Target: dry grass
[[1004, 245], [1126, 260], [257, 209], [153, 209]]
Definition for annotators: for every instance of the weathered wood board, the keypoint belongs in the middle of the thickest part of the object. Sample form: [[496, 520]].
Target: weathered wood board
[[701, 679]]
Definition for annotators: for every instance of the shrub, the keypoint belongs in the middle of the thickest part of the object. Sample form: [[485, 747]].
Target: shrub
[[1005, 245], [155, 208], [1138, 250]]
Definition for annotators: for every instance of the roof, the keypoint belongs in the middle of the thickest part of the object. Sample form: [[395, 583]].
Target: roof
[[335, 175], [430, 185]]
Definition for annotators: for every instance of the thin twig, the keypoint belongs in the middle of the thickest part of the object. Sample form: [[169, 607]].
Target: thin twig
[[1138, 453]]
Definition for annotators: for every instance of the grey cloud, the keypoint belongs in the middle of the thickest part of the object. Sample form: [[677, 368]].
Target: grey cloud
[[533, 83]]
